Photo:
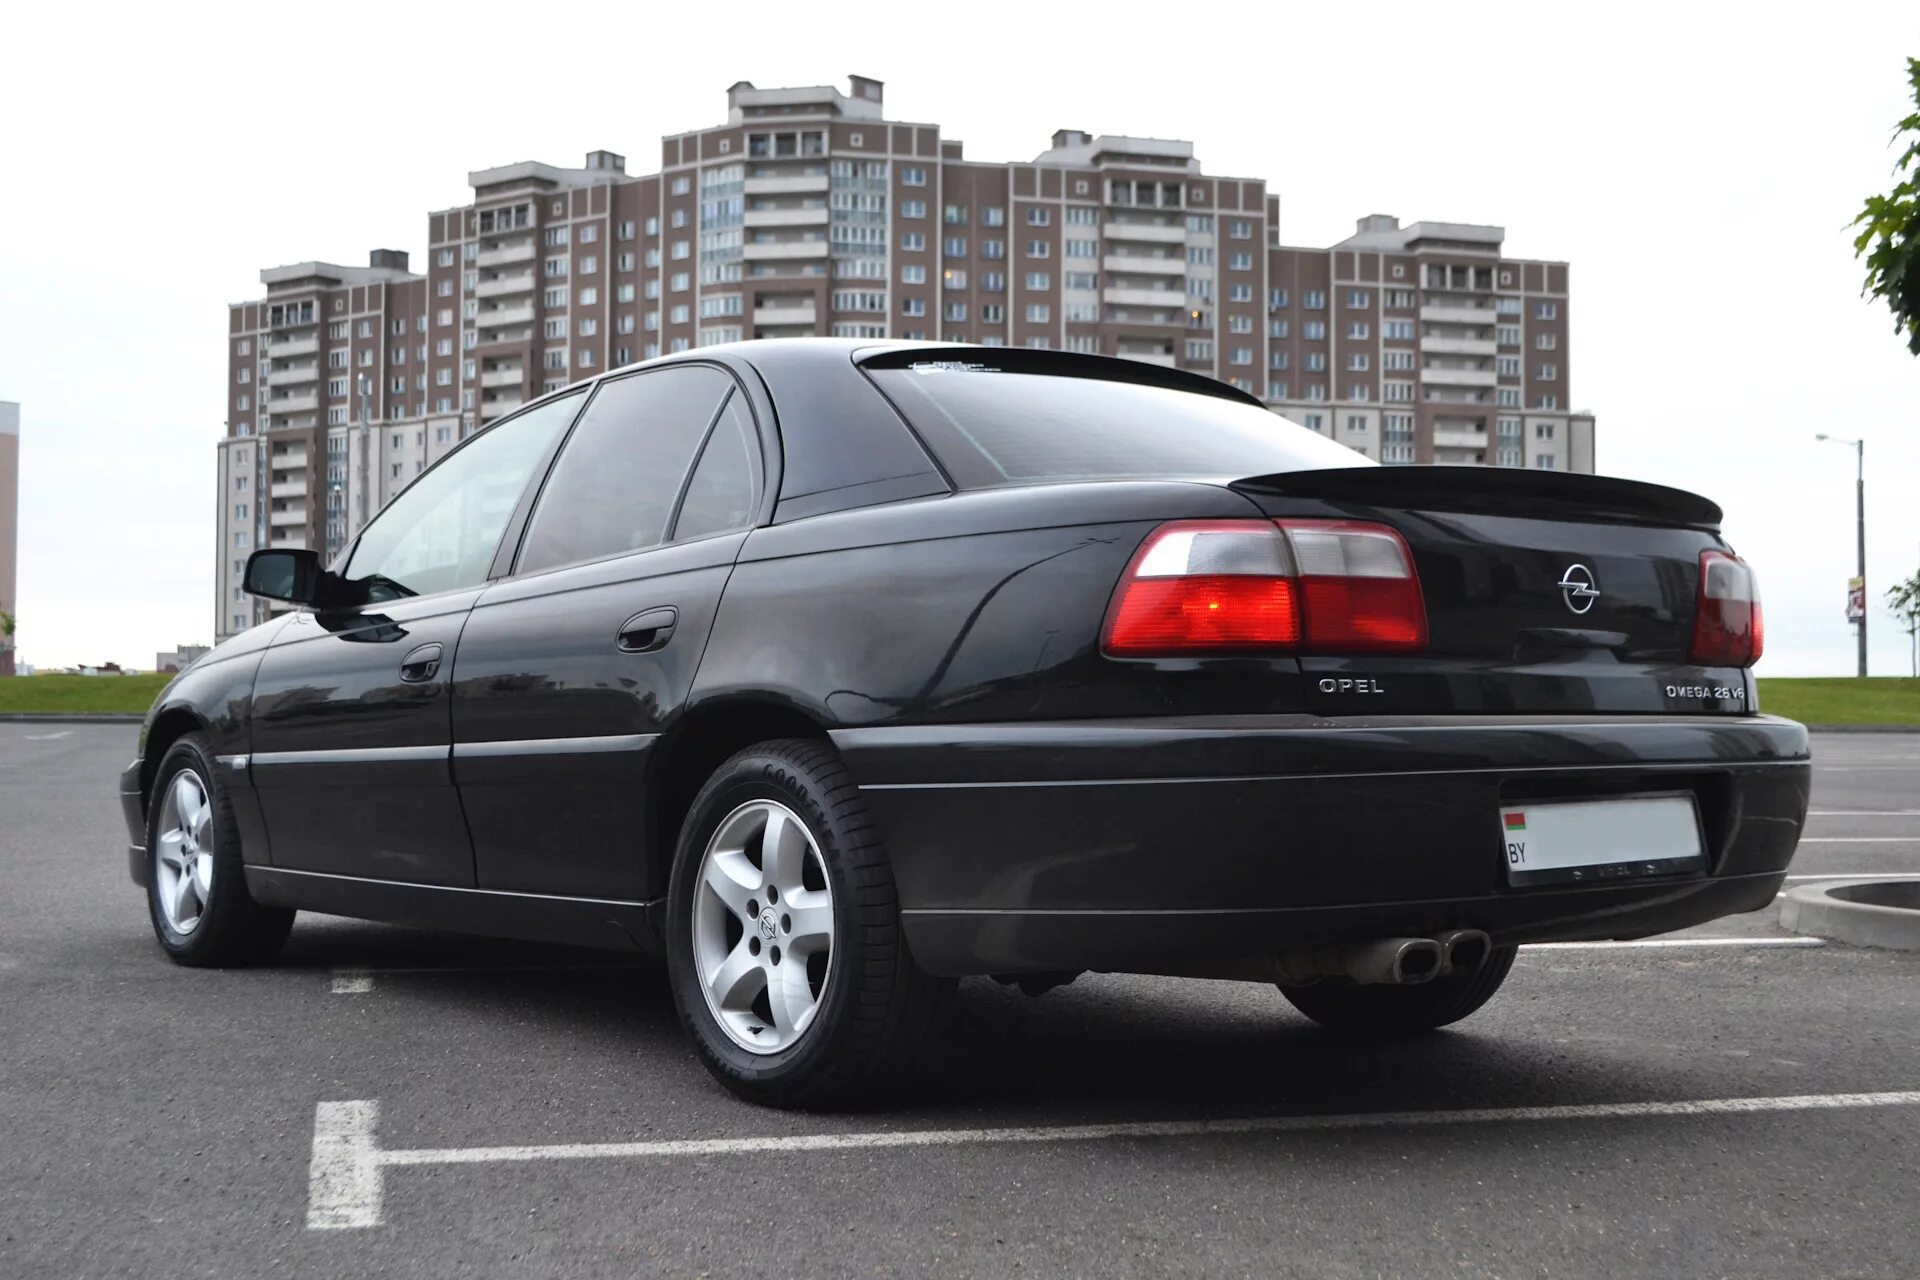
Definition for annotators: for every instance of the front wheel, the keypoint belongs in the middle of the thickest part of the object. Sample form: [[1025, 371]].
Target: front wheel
[[1403, 1010], [196, 883], [784, 947]]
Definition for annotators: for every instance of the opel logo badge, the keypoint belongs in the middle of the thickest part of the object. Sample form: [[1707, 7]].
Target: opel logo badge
[[1577, 588], [768, 929]]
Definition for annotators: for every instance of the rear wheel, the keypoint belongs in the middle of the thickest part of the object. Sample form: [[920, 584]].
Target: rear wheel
[[1403, 1010], [196, 887], [784, 947]]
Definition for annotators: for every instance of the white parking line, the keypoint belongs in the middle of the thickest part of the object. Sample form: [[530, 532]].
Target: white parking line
[[1858, 875], [49, 737], [1676, 942], [352, 982], [1863, 813], [345, 1188]]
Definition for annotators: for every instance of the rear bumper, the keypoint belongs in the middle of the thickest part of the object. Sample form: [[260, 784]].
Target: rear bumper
[[133, 808], [1170, 845]]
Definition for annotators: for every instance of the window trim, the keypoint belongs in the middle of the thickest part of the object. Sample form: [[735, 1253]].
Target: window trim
[[515, 520], [766, 473]]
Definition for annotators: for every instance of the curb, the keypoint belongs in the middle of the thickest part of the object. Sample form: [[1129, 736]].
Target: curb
[[1865, 913], [1863, 728], [70, 717]]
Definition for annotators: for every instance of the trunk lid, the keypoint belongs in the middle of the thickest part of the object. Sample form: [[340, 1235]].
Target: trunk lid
[[1546, 593]]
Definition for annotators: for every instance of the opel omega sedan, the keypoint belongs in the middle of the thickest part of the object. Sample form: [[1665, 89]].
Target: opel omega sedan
[[837, 671]]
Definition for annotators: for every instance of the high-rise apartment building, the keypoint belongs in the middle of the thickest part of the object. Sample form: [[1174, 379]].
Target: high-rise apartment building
[[9, 524], [809, 212]]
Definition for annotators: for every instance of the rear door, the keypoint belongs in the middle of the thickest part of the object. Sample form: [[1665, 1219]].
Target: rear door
[[1545, 593], [569, 669], [352, 724]]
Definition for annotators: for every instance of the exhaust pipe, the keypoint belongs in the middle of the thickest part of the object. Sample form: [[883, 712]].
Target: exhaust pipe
[[1463, 950], [1381, 962]]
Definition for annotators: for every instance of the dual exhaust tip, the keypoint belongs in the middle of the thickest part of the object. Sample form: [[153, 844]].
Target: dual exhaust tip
[[1390, 961]]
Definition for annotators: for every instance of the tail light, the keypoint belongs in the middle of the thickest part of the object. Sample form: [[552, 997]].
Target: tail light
[[1727, 627], [1214, 586]]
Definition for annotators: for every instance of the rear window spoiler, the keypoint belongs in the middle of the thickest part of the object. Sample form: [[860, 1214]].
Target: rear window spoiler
[[1496, 491], [939, 357]]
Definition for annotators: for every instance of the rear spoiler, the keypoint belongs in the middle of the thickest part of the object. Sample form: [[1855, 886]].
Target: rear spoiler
[[1496, 491]]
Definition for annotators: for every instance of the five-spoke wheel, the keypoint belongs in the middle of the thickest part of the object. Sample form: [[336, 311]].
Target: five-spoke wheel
[[183, 852], [763, 926]]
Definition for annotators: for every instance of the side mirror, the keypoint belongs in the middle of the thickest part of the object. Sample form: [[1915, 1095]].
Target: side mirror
[[284, 574]]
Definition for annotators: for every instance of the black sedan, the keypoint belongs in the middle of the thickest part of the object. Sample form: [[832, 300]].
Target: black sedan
[[836, 671]]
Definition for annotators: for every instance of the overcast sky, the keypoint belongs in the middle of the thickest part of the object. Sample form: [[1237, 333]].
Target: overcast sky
[[1696, 165]]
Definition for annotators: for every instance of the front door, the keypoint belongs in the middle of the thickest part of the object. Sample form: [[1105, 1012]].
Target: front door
[[569, 669], [352, 726]]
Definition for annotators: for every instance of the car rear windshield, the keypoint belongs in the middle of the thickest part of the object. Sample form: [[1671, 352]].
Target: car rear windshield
[[993, 425]]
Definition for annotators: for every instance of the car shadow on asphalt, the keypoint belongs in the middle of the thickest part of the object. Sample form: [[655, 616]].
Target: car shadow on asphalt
[[1101, 1048]]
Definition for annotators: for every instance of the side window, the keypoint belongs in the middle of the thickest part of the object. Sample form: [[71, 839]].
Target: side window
[[720, 495], [615, 484], [443, 531]]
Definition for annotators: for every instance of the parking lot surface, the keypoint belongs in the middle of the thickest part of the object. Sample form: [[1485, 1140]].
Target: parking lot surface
[[385, 1101]]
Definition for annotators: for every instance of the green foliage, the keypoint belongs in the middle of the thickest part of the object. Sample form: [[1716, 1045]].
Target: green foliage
[[1843, 700], [6, 624], [1889, 235], [65, 694], [1903, 601]]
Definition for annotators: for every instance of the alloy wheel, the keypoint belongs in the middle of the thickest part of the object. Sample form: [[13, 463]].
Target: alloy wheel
[[763, 926], [183, 852]]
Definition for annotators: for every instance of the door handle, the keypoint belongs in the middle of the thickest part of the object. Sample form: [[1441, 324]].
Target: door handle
[[647, 631], [422, 665]]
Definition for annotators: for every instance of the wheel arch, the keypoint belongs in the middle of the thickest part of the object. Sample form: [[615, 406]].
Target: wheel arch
[[686, 755], [171, 725]]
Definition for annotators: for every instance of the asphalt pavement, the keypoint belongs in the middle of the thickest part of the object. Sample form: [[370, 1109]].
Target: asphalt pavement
[[392, 1102]]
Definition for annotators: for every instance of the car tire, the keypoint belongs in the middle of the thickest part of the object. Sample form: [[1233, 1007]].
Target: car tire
[[1402, 1010], [197, 896], [851, 1023]]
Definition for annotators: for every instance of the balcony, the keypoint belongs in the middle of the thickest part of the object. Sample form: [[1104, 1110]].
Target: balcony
[[1459, 437], [785, 311], [289, 541], [505, 255], [292, 459], [501, 286], [1164, 359], [514, 377], [1456, 315], [494, 407], [288, 489], [1132, 264], [788, 184], [1175, 299], [785, 250], [306, 402], [1439, 376], [1457, 346], [290, 347], [290, 515], [1149, 232], [499, 317], [787, 217], [297, 374]]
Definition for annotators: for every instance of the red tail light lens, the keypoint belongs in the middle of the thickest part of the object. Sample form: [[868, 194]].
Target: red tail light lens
[[1206, 586], [1728, 630], [1214, 586], [1362, 595]]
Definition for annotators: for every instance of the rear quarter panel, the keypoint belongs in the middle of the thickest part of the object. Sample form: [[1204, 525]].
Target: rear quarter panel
[[978, 606]]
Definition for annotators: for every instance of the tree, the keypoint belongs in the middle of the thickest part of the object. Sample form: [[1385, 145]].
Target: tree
[[6, 626], [1889, 237], [1903, 602]]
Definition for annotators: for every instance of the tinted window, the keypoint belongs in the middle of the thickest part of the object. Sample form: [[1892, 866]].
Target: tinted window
[[992, 426], [615, 484], [720, 495], [442, 532]]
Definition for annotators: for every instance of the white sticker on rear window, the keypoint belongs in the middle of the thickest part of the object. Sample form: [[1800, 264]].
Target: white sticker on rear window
[[950, 366]]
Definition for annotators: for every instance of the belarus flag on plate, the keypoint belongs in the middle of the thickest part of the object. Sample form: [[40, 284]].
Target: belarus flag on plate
[[1515, 821]]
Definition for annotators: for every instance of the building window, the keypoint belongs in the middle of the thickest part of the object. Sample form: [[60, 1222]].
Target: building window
[[912, 176], [993, 250], [1276, 298], [1356, 361], [913, 306], [1039, 249], [1240, 262], [1544, 461], [1038, 313], [1545, 341], [1357, 330], [1546, 311], [913, 242], [913, 208], [1546, 372], [1240, 229], [1039, 216], [1240, 324], [954, 247], [1314, 300], [1314, 330], [1039, 281]]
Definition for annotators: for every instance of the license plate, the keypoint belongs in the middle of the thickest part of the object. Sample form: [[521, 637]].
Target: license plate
[[1592, 841]]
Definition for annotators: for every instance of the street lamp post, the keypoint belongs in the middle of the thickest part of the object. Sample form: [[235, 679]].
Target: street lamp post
[[1860, 529]]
